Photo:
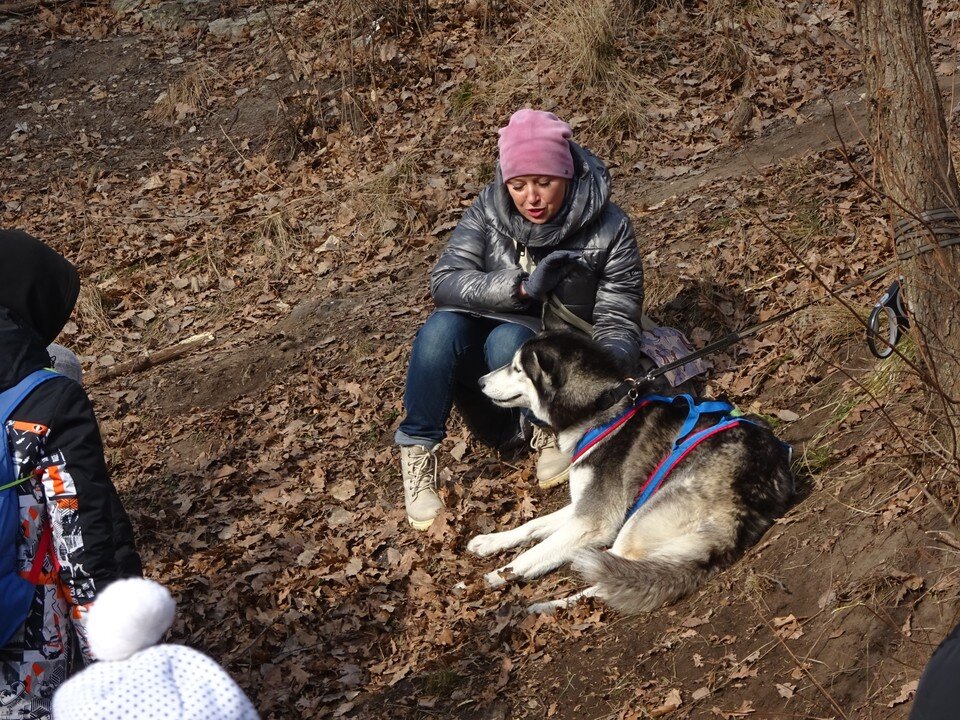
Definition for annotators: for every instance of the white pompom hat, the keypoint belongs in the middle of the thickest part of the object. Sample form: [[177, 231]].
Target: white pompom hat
[[135, 679]]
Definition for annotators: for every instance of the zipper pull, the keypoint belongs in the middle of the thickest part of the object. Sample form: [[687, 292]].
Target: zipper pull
[[521, 251]]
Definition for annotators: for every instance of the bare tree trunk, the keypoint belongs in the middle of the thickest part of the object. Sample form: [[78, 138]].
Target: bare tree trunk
[[912, 154]]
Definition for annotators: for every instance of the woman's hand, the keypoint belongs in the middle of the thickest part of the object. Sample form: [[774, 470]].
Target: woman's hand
[[548, 273]]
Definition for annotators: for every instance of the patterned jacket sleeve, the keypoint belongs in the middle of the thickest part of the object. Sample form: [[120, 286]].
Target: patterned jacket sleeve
[[619, 304], [461, 278], [92, 536]]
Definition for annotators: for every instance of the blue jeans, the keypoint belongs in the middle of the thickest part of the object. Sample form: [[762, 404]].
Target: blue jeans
[[450, 353]]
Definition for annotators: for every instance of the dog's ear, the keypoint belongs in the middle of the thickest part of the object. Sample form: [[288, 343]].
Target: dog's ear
[[544, 364]]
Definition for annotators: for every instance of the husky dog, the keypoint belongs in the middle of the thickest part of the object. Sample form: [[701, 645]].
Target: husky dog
[[717, 501]]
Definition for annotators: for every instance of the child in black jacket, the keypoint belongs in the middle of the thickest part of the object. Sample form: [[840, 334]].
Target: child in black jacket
[[55, 443]]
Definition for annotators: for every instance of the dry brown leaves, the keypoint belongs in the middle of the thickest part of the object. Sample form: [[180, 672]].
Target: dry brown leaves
[[291, 199]]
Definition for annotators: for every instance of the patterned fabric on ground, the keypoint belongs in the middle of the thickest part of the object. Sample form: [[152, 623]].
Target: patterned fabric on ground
[[664, 345]]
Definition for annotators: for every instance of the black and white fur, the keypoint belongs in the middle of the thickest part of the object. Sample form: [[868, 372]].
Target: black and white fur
[[714, 505]]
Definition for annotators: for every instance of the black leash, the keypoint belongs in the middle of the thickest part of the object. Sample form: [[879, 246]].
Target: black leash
[[905, 229]]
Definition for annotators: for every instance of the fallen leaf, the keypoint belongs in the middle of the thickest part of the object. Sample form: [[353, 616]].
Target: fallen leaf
[[906, 692], [344, 490], [906, 629], [746, 708], [670, 703], [458, 450], [786, 690], [506, 665], [787, 627]]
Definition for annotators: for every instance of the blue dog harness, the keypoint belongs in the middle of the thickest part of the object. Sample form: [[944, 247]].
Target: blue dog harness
[[683, 444]]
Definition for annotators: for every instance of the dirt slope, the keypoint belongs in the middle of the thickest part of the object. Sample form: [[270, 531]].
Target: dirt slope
[[210, 169]]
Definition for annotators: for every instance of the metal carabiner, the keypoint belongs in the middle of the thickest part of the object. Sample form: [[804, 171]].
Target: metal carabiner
[[891, 305]]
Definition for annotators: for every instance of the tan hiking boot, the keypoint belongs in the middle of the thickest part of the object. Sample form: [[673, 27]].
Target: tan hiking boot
[[419, 468], [553, 465]]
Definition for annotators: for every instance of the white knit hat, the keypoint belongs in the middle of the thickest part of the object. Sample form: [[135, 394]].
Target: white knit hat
[[134, 681]]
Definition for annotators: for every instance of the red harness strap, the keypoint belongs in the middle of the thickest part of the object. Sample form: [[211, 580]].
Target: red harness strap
[[44, 549]]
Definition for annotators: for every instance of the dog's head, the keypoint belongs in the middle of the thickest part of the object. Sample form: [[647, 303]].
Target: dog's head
[[562, 377]]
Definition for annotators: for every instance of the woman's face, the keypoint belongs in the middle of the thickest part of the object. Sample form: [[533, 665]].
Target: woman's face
[[538, 197]]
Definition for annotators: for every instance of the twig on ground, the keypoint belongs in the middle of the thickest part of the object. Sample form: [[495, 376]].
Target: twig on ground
[[150, 360], [800, 665]]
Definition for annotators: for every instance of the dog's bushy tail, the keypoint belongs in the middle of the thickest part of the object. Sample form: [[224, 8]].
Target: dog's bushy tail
[[634, 586]]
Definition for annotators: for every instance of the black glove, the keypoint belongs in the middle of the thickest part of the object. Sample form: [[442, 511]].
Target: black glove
[[550, 271]]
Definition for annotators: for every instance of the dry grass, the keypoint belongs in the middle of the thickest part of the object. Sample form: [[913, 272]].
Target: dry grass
[[661, 287], [831, 325], [887, 373], [592, 45], [278, 240], [90, 312], [728, 56], [581, 36], [582, 39], [185, 96], [817, 458], [879, 386], [381, 202], [574, 43]]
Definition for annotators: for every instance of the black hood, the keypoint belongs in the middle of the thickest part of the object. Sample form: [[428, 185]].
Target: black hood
[[37, 285]]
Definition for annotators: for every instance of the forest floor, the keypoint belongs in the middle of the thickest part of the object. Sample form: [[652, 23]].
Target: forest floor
[[284, 177]]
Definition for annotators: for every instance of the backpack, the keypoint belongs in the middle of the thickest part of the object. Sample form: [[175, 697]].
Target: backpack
[[16, 592]]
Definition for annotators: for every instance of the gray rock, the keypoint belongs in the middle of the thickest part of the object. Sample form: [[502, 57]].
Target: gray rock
[[234, 28], [339, 516]]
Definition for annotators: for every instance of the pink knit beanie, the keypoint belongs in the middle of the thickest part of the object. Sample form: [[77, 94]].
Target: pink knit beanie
[[535, 142]]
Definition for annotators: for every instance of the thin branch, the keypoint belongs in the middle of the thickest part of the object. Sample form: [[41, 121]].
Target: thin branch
[[799, 664], [150, 360]]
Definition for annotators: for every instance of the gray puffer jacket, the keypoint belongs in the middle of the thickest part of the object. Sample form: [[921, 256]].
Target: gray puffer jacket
[[480, 269]]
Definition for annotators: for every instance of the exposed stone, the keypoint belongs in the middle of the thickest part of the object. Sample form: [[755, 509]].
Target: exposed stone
[[235, 28], [181, 15]]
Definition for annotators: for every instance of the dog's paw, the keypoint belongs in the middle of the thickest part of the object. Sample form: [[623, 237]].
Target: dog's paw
[[494, 579], [543, 608], [485, 545]]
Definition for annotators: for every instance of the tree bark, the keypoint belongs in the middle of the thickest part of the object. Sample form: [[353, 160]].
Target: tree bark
[[912, 155]]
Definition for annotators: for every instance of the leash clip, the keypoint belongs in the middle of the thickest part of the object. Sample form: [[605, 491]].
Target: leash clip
[[890, 305]]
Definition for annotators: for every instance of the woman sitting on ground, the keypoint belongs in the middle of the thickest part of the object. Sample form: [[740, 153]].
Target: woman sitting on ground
[[542, 244]]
